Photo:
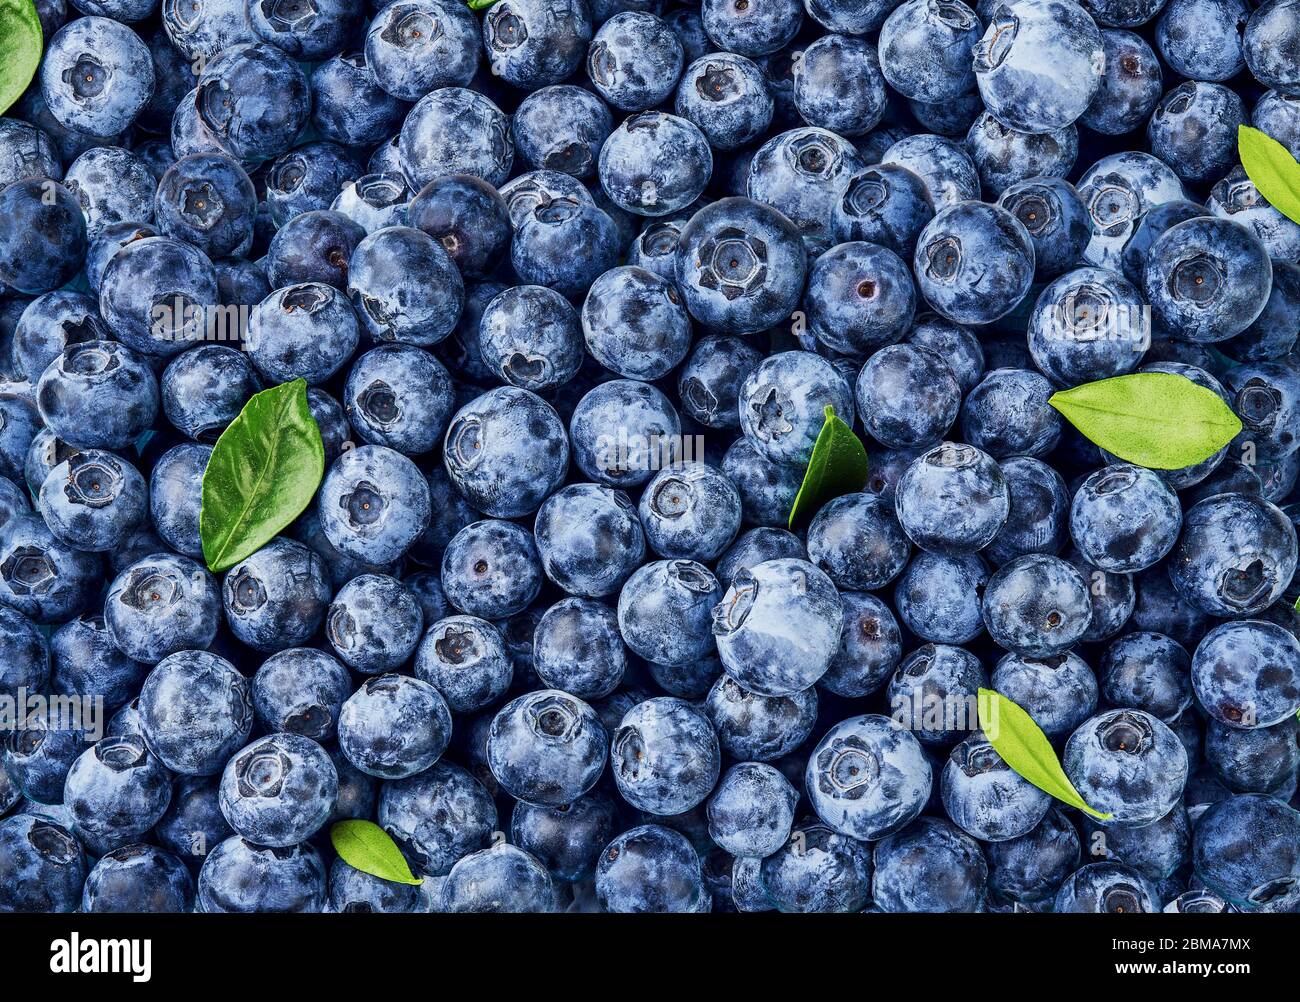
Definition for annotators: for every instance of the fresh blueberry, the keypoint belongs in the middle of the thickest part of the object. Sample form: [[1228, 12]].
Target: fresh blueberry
[[301, 691], [457, 131], [47, 580], [938, 597], [886, 204], [116, 791], [46, 864], [96, 76], [930, 866], [952, 499], [635, 324], [925, 49], [1059, 692], [1247, 674], [726, 97], [1037, 605], [375, 200], [205, 388], [1202, 39], [650, 868], [1244, 848], [38, 753], [242, 877], [622, 431], [1128, 764], [758, 28], [176, 496], [802, 175], [349, 106], [138, 878], [858, 542], [665, 756], [195, 712], [279, 790], [353, 891], [394, 726], [1005, 157], [1110, 888], [664, 611], [373, 504], [1057, 221], [374, 623], [974, 262], [838, 85], [276, 598], [942, 164], [254, 100], [42, 236], [491, 569], [932, 693], [589, 539], [465, 659], [566, 839], [634, 60], [690, 511], [84, 662], [437, 816], [561, 128], [405, 286], [498, 879], [547, 748], [93, 500], [782, 404], [985, 798]]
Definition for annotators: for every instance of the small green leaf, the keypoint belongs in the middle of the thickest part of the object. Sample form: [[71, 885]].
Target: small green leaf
[[264, 470], [1160, 420], [20, 49], [365, 846], [1025, 748], [481, 4], [838, 465], [1272, 168]]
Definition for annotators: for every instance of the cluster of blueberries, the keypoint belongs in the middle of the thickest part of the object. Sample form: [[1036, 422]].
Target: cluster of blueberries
[[572, 283]]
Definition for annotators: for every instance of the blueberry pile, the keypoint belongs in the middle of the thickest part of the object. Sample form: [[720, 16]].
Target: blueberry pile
[[572, 284]]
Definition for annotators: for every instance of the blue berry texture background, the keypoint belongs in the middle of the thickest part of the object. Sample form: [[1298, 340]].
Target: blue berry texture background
[[571, 284]]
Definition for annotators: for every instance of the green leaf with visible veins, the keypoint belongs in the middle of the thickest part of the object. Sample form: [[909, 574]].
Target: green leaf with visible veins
[[1025, 748], [263, 471], [21, 42], [1160, 420], [364, 846], [838, 465], [1272, 168]]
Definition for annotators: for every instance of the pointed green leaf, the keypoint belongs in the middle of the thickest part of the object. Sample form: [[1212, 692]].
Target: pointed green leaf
[[481, 4], [365, 846], [20, 49], [1272, 168], [264, 470], [1160, 420], [1025, 748], [838, 466]]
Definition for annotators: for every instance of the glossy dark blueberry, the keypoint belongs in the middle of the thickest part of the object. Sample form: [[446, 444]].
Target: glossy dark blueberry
[[566, 839], [1194, 130], [1057, 221], [348, 106], [176, 496], [465, 659], [1037, 605], [205, 388], [974, 262], [709, 382], [859, 298], [502, 878], [138, 878], [253, 99], [886, 204], [374, 623], [42, 240], [1269, 337], [399, 396], [207, 200], [635, 324], [1005, 157], [1031, 867], [838, 85], [1147, 671], [1130, 86], [1117, 190], [930, 866], [316, 246], [564, 245], [1128, 764]]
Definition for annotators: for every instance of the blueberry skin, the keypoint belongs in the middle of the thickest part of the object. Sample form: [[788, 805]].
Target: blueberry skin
[[886, 204], [254, 100], [405, 286], [117, 790], [726, 97], [1212, 114], [765, 284], [1268, 45], [113, 71], [655, 248], [467, 216], [491, 569], [1131, 84], [927, 686], [1107, 888], [36, 757], [241, 877], [456, 131], [564, 245], [1124, 518], [752, 810], [1246, 674], [98, 395], [399, 396], [870, 647], [206, 30], [42, 242], [1031, 868], [531, 191], [906, 372], [622, 431], [1266, 395], [47, 865], [50, 323], [938, 597], [664, 611], [20, 433], [546, 748], [1156, 850], [160, 605], [84, 662], [561, 128], [138, 878], [195, 712], [501, 879], [1244, 848], [565, 839], [207, 200], [767, 489], [93, 500], [301, 691], [348, 105], [925, 50], [374, 623], [241, 282], [279, 790], [709, 383], [13, 502], [665, 756], [437, 817], [782, 404], [634, 323], [944, 165], [355, 892], [375, 200], [822, 872], [985, 798], [778, 626], [155, 293], [1148, 671], [655, 164], [947, 118], [1235, 197], [589, 539], [1058, 691], [314, 246], [1039, 64], [802, 174], [306, 331], [1235, 556], [838, 85], [427, 588], [1275, 113], [1039, 511], [1208, 279], [1037, 605], [276, 598], [465, 659], [417, 46], [205, 388], [1051, 210], [176, 495], [860, 297], [28, 150], [753, 547], [650, 869], [1005, 157], [634, 60], [690, 511], [533, 44], [930, 866], [858, 542], [763, 27], [952, 499], [1117, 190], [113, 185], [1128, 764], [974, 262], [374, 504], [394, 726], [1113, 598], [1202, 39], [42, 578]]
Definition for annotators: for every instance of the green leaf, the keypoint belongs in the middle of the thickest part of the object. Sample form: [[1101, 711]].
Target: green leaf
[[838, 465], [1272, 168], [1025, 748], [1160, 420], [368, 848], [263, 472], [20, 49], [481, 4]]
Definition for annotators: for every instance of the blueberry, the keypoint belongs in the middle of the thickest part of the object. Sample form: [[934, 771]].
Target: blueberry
[[491, 569], [373, 504], [650, 868], [467, 216], [532, 44], [1059, 691], [946, 168], [758, 28], [276, 598], [886, 204], [405, 286], [1005, 157], [98, 395], [566, 839], [1259, 760], [974, 262], [819, 870], [634, 60], [93, 500], [27, 151], [254, 100], [930, 866], [156, 295], [1269, 39], [314, 246], [239, 876], [709, 382], [116, 791], [951, 119], [176, 495], [42, 239], [547, 748], [41, 749], [726, 97], [301, 691], [278, 790], [138, 878], [782, 404], [857, 541], [1127, 763], [1237, 198], [752, 810], [113, 185], [437, 816], [465, 659], [635, 324], [1156, 850], [353, 891], [195, 712], [589, 539], [933, 690], [416, 46], [622, 431], [1087, 325], [1117, 190], [207, 200], [1130, 86], [374, 623], [925, 49], [938, 597], [1057, 221], [456, 131], [952, 499], [499, 879], [1266, 396], [21, 432], [48, 325], [1031, 867], [394, 726], [802, 174], [753, 547], [1039, 511], [1202, 39], [985, 798], [96, 76], [838, 85], [399, 396], [767, 489], [860, 296], [664, 611], [1247, 674], [1037, 605], [1110, 888], [85, 662], [535, 189], [564, 245], [870, 647], [205, 388], [375, 200], [690, 511], [349, 106], [1124, 519], [1207, 111], [47, 864], [44, 579], [561, 128], [1244, 848], [1150, 672]]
